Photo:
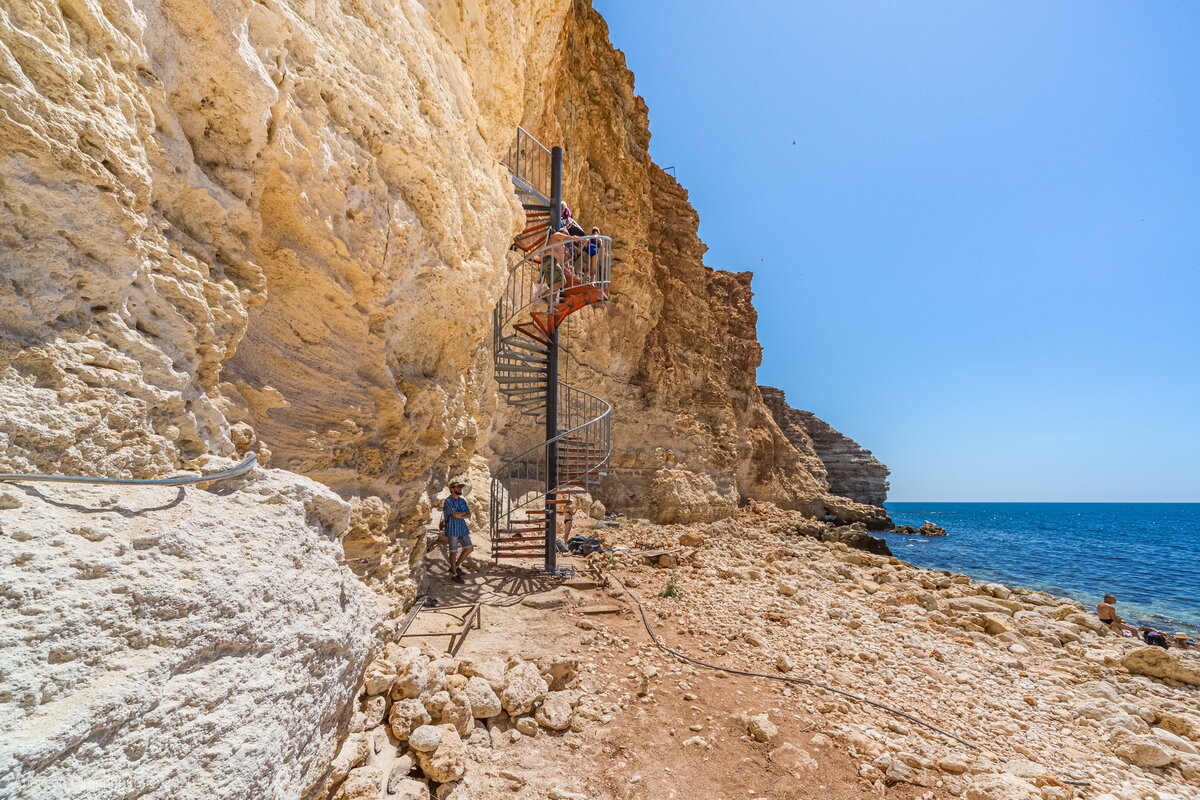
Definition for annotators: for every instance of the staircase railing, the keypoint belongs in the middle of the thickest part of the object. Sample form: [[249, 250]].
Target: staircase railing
[[529, 162], [518, 484], [529, 281], [584, 442]]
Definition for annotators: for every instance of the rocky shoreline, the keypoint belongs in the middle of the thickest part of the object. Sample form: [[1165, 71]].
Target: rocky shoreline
[[1057, 705]]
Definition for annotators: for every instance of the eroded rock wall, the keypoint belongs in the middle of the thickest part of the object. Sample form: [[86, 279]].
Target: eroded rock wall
[[286, 213], [676, 352], [848, 469]]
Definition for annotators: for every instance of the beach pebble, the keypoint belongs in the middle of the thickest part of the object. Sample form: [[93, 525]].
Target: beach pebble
[[761, 728]]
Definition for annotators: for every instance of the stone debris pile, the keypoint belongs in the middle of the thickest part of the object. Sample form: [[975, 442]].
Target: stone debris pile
[[680, 543], [423, 718], [1059, 706]]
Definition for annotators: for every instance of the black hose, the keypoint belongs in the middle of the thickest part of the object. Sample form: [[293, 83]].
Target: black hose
[[802, 681], [179, 480]]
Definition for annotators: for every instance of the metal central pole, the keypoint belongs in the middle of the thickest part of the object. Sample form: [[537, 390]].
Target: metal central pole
[[551, 564]]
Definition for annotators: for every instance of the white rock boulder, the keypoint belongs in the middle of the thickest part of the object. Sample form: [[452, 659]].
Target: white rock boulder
[[523, 688]]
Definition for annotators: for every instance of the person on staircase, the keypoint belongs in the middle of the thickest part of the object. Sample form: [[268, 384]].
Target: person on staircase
[[562, 253], [568, 224], [592, 248], [565, 249], [455, 513]]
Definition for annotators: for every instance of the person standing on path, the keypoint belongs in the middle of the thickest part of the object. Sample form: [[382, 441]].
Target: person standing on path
[[455, 513]]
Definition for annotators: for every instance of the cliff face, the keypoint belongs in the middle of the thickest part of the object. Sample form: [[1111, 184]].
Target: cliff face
[[848, 469], [285, 213], [292, 216], [676, 352]]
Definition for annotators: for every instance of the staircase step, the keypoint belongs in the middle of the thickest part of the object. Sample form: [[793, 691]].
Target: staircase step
[[546, 321], [510, 357], [525, 370], [524, 397], [520, 379], [519, 555], [525, 344], [532, 331], [526, 401]]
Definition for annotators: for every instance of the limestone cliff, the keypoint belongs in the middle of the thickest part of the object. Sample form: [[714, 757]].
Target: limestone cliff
[[677, 350], [292, 215], [846, 467], [285, 213]]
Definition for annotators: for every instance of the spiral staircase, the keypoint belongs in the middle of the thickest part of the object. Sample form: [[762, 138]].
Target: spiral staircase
[[556, 276]]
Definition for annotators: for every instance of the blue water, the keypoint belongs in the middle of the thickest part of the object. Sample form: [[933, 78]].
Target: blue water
[[1147, 554]]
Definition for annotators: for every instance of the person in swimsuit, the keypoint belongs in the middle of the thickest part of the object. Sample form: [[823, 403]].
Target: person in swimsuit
[[568, 519], [593, 249], [1106, 610]]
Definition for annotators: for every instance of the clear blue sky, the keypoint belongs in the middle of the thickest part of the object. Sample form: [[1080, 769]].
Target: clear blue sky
[[981, 257]]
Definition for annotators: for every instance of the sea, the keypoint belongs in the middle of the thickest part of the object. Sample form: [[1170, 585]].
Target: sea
[[1147, 554]]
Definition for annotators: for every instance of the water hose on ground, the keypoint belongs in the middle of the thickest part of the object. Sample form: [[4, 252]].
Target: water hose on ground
[[801, 681], [178, 480]]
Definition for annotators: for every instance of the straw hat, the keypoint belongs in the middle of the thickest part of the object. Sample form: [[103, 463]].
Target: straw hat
[[1181, 636]]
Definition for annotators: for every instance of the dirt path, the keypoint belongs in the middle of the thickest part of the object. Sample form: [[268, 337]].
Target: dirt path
[[673, 732]]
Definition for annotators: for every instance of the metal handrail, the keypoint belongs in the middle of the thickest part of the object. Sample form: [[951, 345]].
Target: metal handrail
[[557, 271], [585, 412], [566, 255], [529, 162], [178, 480], [605, 414]]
